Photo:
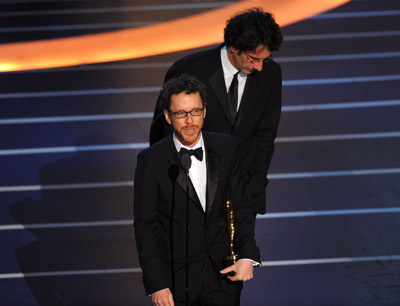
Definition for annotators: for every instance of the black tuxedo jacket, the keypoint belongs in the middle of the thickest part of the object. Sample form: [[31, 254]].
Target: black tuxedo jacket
[[160, 216], [256, 124]]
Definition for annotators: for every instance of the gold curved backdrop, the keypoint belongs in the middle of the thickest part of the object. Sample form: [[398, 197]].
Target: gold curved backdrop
[[171, 36]]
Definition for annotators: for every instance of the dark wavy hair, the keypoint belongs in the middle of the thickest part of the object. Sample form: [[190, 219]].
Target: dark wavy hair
[[251, 28], [183, 83]]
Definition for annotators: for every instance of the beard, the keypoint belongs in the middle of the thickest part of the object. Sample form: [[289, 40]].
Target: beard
[[189, 138]]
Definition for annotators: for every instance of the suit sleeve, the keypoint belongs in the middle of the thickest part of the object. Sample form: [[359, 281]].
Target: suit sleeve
[[265, 139], [244, 214], [146, 227]]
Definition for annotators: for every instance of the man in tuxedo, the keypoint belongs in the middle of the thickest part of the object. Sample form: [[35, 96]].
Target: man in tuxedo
[[162, 206], [243, 94]]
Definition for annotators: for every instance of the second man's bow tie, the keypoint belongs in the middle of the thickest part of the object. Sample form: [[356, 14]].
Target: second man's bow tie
[[198, 153]]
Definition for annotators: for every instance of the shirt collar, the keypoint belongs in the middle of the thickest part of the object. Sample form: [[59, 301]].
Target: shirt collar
[[227, 67]]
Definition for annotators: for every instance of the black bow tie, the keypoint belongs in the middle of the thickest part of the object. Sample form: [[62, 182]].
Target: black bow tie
[[198, 153]]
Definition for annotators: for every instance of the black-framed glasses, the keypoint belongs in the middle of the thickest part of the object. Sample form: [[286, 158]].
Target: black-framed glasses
[[252, 59], [182, 114]]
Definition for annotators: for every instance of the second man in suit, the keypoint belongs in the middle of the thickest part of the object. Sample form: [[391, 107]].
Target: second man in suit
[[243, 93]]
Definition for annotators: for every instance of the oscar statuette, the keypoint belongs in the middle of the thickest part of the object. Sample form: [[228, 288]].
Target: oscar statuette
[[231, 258]]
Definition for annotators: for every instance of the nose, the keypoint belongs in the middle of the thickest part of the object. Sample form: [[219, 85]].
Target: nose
[[188, 118], [258, 66]]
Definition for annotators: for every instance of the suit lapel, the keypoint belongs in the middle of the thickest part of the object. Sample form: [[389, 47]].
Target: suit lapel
[[217, 83], [174, 159], [192, 192], [213, 172], [248, 102], [243, 103]]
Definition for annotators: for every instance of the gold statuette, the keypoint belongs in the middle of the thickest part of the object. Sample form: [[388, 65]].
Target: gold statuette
[[230, 220]]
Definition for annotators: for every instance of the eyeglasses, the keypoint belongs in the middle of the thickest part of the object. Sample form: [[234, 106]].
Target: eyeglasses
[[252, 59], [182, 114]]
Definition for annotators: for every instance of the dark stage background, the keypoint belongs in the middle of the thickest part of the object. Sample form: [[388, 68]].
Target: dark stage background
[[70, 136]]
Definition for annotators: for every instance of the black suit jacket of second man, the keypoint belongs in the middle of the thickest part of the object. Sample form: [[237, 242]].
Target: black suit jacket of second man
[[160, 216], [256, 124]]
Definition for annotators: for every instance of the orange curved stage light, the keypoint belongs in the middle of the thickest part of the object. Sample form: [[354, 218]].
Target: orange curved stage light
[[171, 36]]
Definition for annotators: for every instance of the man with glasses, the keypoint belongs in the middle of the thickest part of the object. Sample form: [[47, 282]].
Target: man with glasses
[[243, 91], [161, 208]]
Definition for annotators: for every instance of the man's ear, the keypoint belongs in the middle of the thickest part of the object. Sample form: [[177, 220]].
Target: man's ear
[[234, 50], [167, 116], [204, 112]]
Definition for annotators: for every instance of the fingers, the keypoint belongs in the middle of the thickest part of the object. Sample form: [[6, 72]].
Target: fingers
[[227, 269], [243, 269], [230, 273], [241, 277], [162, 298], [164, 302]]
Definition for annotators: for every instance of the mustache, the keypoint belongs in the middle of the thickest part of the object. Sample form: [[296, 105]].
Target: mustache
[[190, 126]]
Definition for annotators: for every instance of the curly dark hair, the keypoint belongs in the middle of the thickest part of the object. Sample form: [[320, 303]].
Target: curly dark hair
[[251, 28], [183, 83]]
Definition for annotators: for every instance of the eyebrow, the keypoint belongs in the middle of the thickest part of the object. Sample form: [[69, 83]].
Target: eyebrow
[[256, 58], [181, 110]]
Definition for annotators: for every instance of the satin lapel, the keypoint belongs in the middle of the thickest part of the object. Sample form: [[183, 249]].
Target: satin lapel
[[213, 172], [192, 192], [218, 85], [173, 157]]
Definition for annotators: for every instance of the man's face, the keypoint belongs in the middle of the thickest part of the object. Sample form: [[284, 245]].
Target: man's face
[[187, 130], [249, 61]]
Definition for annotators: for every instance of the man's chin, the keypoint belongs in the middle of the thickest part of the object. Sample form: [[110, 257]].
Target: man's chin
[[190, 139]]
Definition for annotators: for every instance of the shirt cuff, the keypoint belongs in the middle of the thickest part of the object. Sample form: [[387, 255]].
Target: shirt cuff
[[255, 263]]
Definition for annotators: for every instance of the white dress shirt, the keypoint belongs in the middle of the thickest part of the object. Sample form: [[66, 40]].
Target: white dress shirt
[[198, 170], [229, 72]]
